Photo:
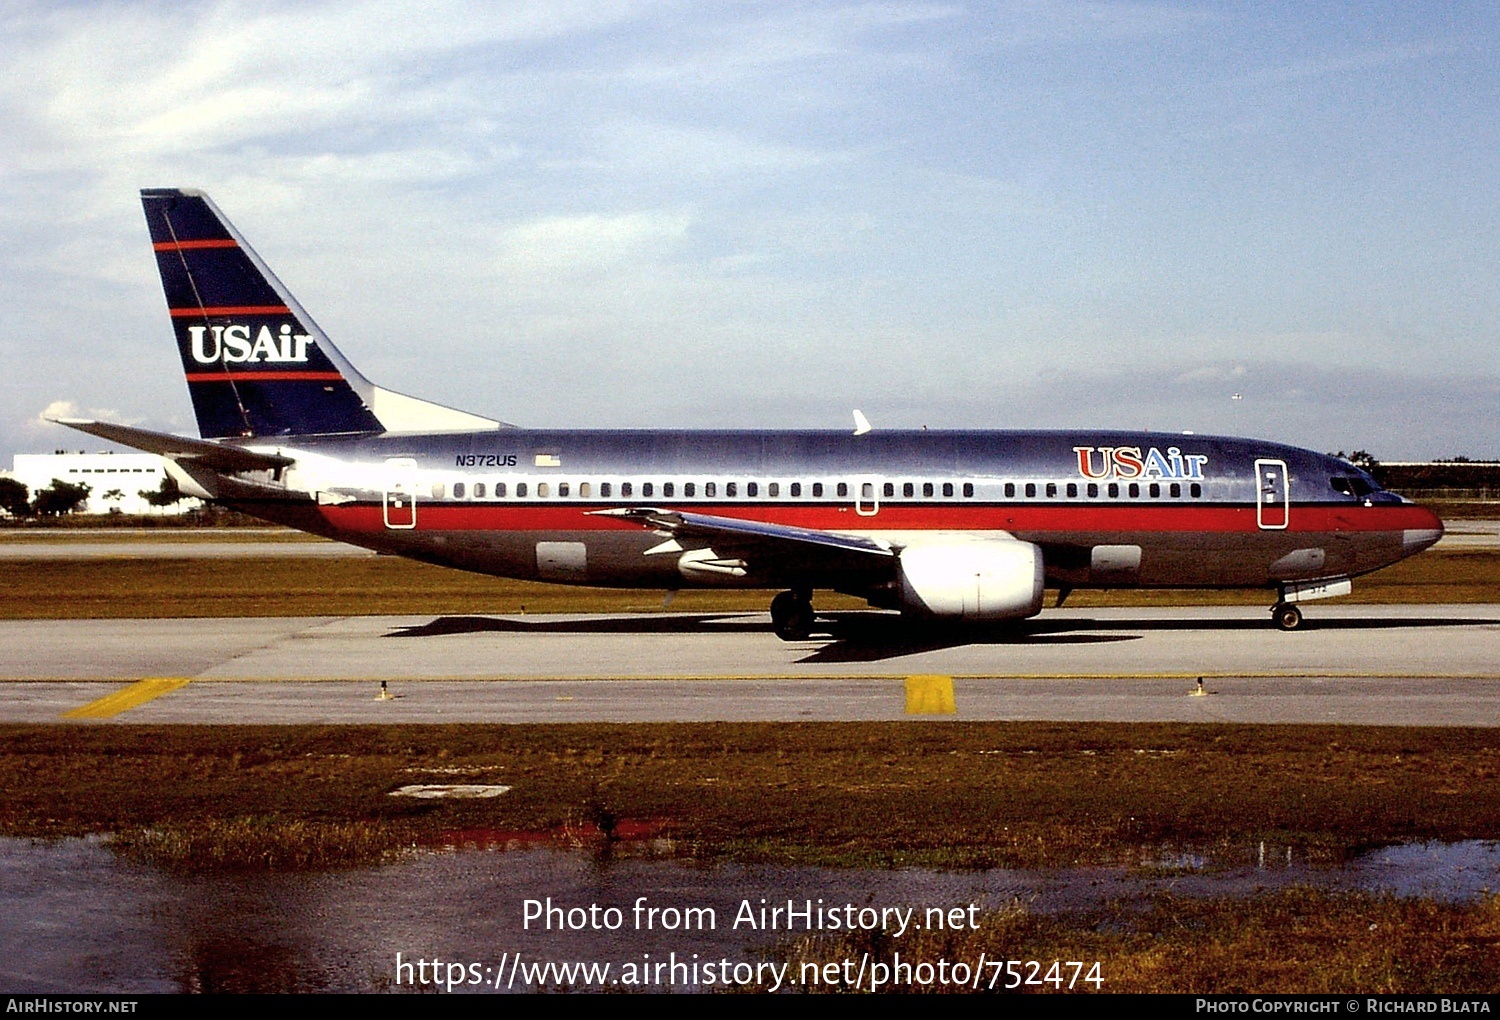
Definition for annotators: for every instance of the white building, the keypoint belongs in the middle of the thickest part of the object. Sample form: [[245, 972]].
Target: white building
[[115, 480]]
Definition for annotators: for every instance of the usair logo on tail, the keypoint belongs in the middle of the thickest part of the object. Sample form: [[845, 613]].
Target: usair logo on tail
[[233, 345]]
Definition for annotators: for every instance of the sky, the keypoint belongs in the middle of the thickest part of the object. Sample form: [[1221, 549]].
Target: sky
[[1269, 219]]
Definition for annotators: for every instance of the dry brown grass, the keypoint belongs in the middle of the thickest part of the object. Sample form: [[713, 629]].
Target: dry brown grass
[[894, 794], [131, 588], [1293, 941]]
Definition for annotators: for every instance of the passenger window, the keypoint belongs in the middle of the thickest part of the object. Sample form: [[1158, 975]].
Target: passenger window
[[908, 490], [478, 490], [1135, 490], [796, 489], [968, 489], [458, 490], [1175, 490], [709, 489], [773, 489], [1030, 490], [499, 490], [437, 490], [1072, 490], [1051, 490], [731, 488], [889, 490], [627, 489], [817, 490], [606, 489], [585, 489], [751, 489], [1196, 490], [521, 490], [1010, 490], [668, 488], [1093, 490], [647, 489], [948, 489], [927, 489], [562, 488], [688, 489], [1114, 490], [1155, 490], [843, 490], [866, 491], [543, 490]]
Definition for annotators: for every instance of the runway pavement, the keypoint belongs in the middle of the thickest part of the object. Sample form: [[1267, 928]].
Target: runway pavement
[[1428, 665]]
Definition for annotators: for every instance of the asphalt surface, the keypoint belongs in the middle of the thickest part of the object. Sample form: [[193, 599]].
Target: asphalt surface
[[1384, 665]]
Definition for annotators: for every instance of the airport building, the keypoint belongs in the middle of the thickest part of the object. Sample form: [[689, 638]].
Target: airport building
[[115, 480]]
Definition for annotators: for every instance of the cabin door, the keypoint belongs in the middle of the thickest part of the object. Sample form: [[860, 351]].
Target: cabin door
[[866, 497], [400, 493], [1273, 495]]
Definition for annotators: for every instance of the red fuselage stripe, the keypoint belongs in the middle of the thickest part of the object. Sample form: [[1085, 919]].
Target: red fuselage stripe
[[1141, 518], [263, 377], [192, 313], [222, 242]]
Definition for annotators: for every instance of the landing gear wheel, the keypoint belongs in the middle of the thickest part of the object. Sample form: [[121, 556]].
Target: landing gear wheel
[[792, 616], [1286, 617]]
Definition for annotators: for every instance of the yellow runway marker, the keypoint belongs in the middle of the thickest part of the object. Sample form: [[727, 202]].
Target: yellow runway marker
[[131, 697], [930, 695]]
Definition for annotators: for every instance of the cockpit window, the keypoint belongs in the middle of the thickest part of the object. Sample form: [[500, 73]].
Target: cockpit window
[[1358, 486]]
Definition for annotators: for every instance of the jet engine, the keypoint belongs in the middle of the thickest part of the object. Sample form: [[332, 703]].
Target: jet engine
[[972, 580]]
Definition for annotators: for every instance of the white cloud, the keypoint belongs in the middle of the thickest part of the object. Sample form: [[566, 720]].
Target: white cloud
[[589, 242]]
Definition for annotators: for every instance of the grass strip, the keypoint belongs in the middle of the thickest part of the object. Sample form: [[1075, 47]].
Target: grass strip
[[157, 588], [1296, 940], [886, 794]]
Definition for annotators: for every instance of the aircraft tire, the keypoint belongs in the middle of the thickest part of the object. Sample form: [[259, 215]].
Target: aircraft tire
[[1286, 617], [791, 616]]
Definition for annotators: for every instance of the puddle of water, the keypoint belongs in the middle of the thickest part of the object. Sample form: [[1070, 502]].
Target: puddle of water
[[74, 917]]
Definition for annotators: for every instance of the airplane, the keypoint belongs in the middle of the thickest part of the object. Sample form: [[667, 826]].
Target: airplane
[[968, 526]]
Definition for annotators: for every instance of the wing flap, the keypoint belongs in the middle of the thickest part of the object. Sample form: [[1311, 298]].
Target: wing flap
[[770, 544]]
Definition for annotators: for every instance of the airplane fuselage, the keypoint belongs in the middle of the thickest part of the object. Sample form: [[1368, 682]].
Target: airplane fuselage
[[1166, 509]]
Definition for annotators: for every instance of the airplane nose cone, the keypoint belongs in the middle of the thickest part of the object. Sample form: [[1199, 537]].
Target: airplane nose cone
[[1414, 540]]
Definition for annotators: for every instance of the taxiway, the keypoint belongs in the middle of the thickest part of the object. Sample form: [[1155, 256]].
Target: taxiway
[[1382, 665]]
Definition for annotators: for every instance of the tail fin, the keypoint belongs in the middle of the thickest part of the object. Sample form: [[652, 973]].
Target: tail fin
[[256, 362]]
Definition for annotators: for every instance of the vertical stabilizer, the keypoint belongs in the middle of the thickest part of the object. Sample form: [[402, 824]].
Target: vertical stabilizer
[[256, 362]]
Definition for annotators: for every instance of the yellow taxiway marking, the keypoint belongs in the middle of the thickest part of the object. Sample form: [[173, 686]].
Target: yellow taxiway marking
[[1283, 674], [930, 695], [135, 695]]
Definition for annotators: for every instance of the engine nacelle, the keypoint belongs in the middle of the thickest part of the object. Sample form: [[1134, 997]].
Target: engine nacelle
[[974, 580]]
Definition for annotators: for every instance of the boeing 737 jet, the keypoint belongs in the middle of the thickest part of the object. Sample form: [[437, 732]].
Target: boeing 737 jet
[[942, 525]]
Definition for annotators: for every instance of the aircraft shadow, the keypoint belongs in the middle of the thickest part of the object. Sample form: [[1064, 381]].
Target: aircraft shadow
[[865, 636], [645, 623], [871, 637]]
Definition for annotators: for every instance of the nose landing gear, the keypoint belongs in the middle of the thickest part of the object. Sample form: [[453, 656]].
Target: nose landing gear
[[792, 615], [1286, 616]]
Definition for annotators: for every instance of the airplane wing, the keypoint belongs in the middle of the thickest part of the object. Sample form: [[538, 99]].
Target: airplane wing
[[767, 545], [200, 451]]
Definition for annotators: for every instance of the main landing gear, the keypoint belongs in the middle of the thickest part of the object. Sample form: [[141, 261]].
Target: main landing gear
[[792, 615], [1286, 616]]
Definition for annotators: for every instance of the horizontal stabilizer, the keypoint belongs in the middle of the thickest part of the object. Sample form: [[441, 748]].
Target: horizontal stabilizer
[[200, 451]]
